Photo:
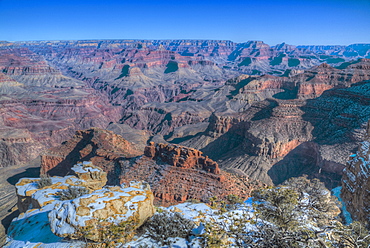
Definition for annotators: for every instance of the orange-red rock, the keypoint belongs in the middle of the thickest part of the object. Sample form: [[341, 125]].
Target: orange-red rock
[[181, 156], [175, 173]]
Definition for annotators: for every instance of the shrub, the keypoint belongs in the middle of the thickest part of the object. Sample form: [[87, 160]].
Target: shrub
[[43, 182], [279, 206], [107, 234], [353, 235], [216, 231], [234, 201], [314, 199], [164, 225], [72, 192]]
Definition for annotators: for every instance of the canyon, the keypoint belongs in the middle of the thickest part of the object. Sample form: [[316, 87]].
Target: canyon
[[175, 173], [184, 113]]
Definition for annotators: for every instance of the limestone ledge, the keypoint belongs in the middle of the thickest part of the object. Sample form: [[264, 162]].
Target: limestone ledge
[[108, 205], [102, 205], [30, 196]]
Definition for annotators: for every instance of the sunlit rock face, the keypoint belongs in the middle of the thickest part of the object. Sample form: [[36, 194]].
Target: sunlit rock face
[[102, 147], [175, 173], [108, 205], [97, 206]]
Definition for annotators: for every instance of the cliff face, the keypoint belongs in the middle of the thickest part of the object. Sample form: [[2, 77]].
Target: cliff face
[[257, 140], [102, 147], [295, 131], [40, 107], [175, 173], [182, 157], [164, 88], [356, 183]]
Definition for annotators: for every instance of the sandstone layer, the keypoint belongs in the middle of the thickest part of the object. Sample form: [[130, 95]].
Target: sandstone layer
[[102, 147], [82, 215], [175, 173]]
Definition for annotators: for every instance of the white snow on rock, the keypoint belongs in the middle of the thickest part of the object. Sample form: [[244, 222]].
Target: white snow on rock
[[48, 225], [85, 167], [113, 204], [32, 227]]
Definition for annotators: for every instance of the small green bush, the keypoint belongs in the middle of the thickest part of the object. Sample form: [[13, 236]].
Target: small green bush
[[234, 201], [43, 182], [106, 234], [72, 192], [162, 226]]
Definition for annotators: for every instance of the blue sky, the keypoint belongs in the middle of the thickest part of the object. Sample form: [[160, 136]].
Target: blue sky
[[295, 22]]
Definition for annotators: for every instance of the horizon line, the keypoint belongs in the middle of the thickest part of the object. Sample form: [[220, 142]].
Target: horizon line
[[167, 39]]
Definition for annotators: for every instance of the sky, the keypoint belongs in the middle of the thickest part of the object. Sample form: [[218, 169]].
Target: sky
[[296, 22]]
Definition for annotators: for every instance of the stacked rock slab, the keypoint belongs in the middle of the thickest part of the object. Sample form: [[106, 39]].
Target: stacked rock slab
[[179, 173], [181, 156], [356, 182], [100, 207]]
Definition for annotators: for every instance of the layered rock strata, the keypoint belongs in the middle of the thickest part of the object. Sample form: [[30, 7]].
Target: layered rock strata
[[102, 147], [175, 173], [180, 156], [56, 218], [356, 183], [40, 107]]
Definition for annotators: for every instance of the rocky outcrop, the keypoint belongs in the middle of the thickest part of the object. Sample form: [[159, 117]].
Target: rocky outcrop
[[180, 156], [84, 215], [101, 208], [171, 184], [318, 79], [356, 183], [30, 195], [102, 147], [175, 173]]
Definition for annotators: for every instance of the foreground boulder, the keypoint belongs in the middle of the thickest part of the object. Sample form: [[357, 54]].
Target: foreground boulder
[[78, 207], [31, 195], [87, 215]]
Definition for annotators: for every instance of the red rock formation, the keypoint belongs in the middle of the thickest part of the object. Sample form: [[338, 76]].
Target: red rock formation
[[102, 147], [23, 62], [316, 80], [175, 173], [181, 156], [171, 184]]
